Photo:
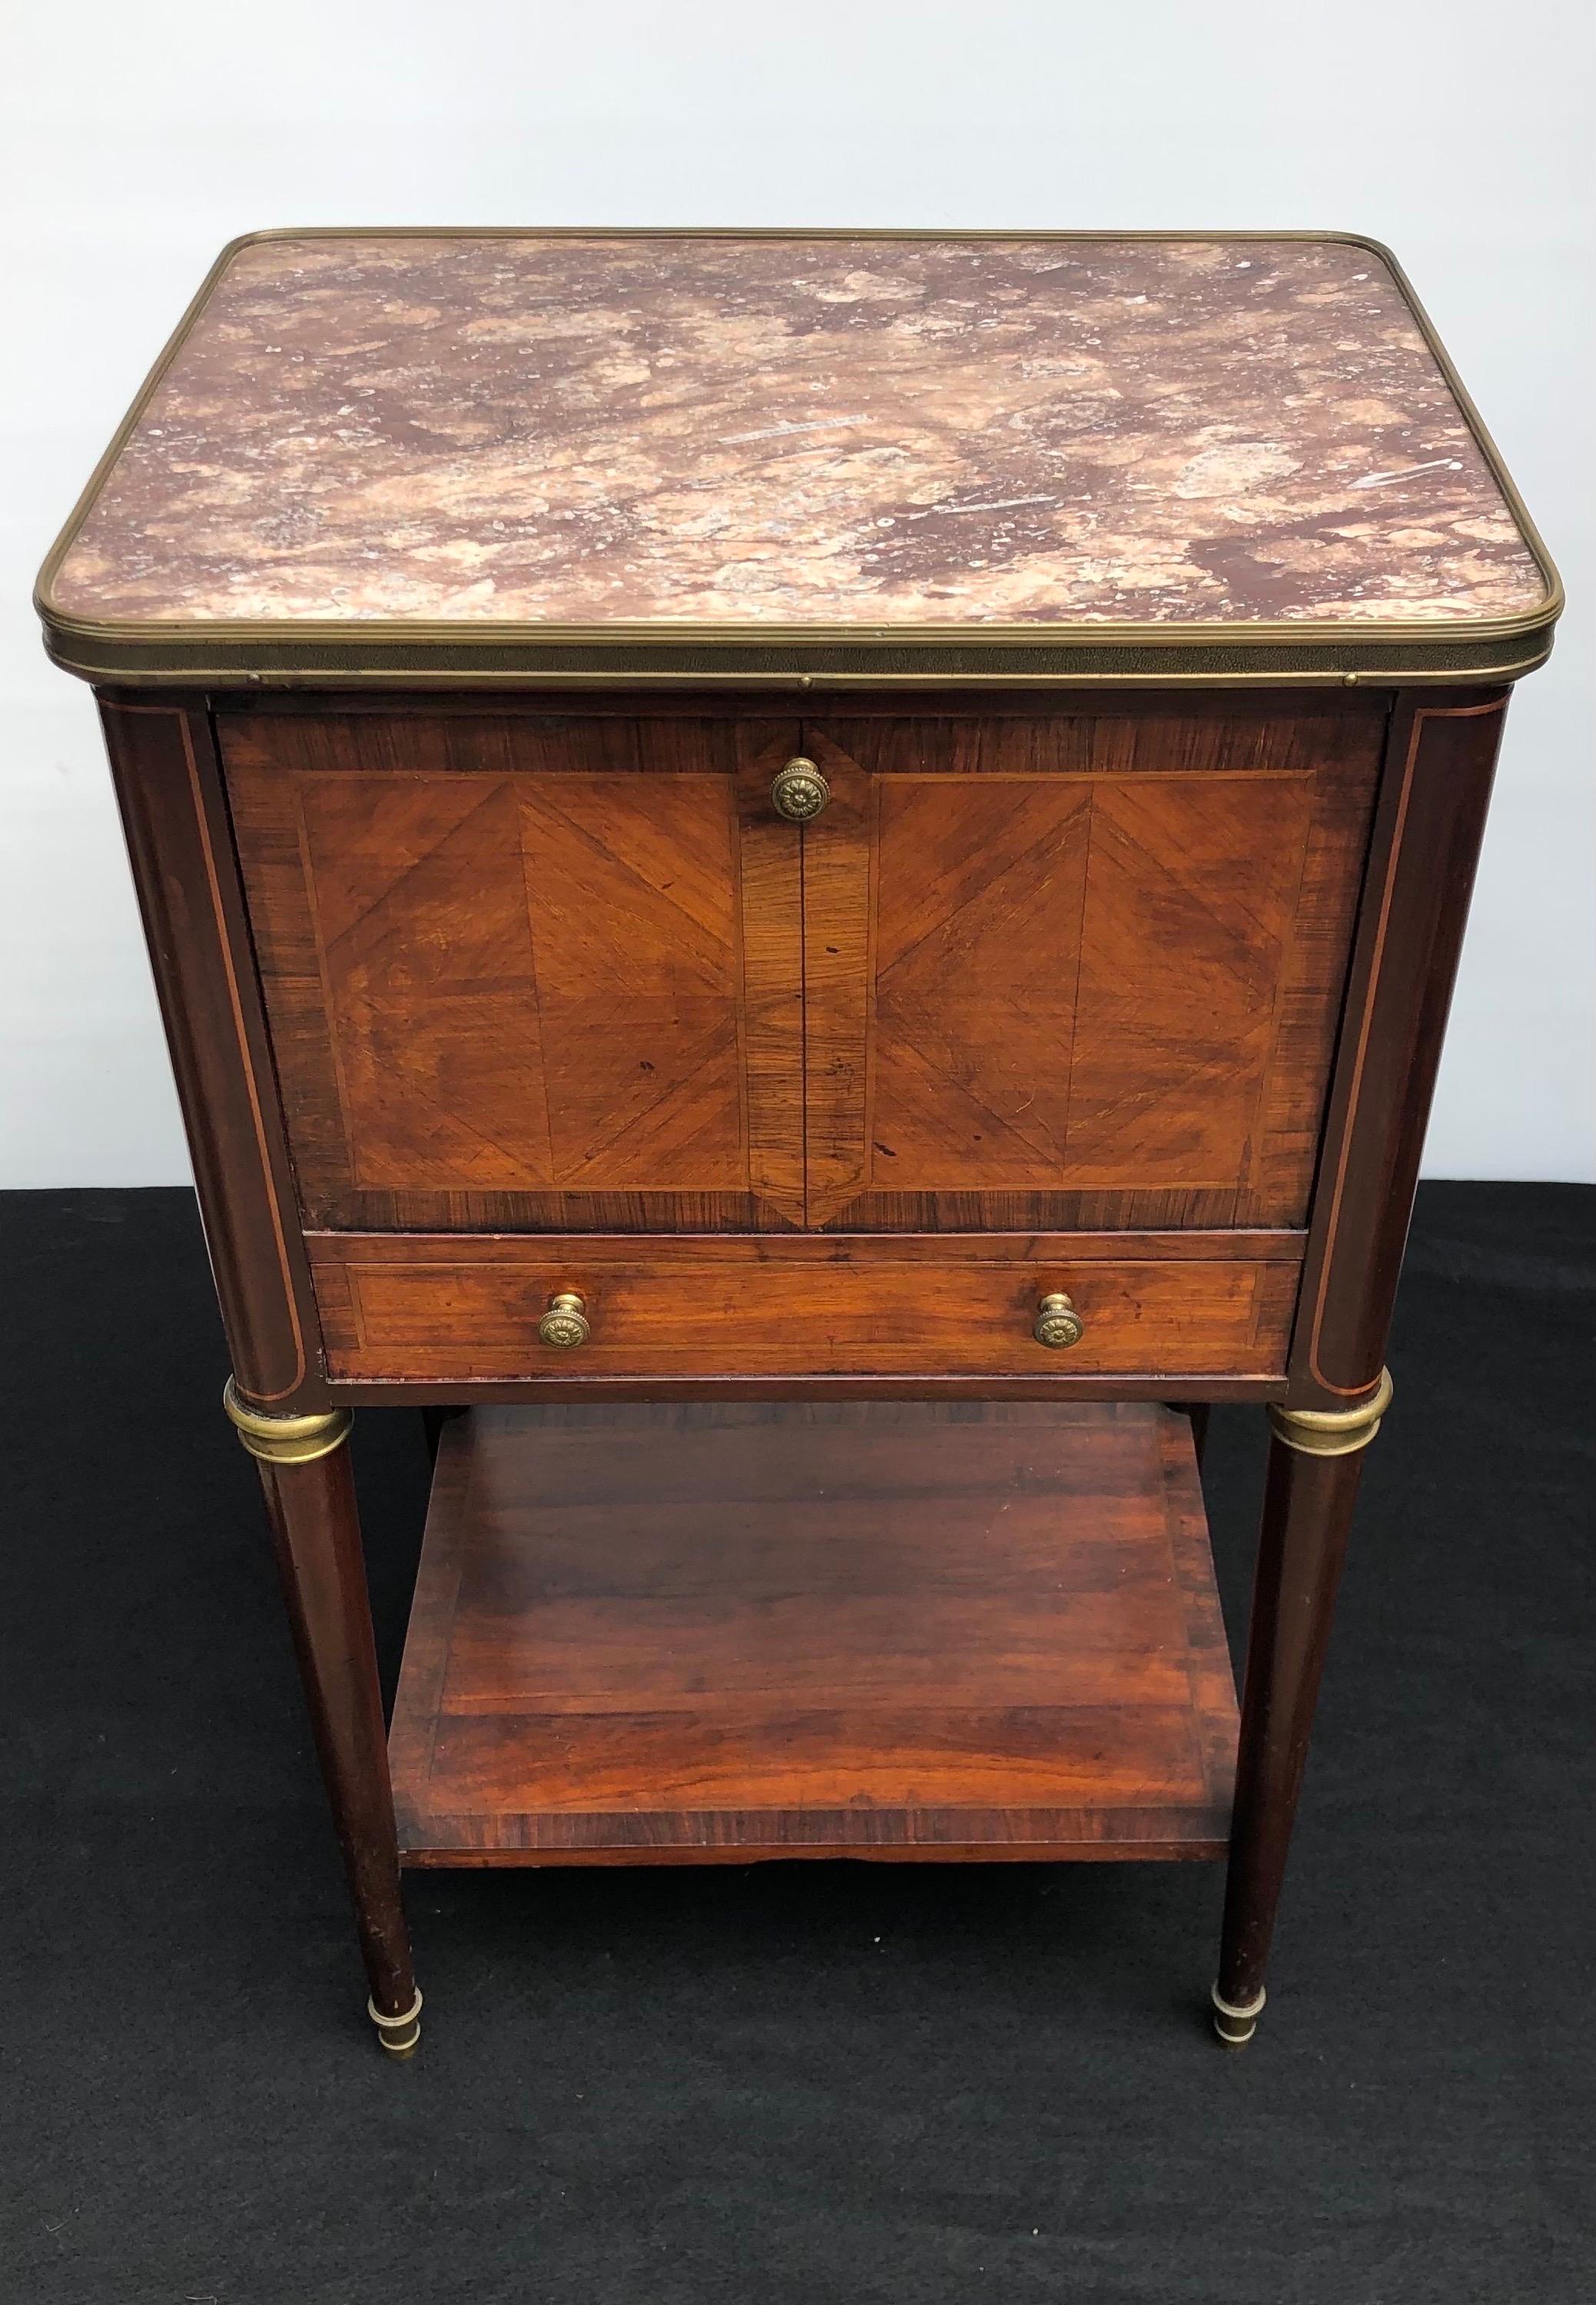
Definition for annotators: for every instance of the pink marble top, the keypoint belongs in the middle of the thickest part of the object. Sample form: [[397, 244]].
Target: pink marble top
[[861, 432]]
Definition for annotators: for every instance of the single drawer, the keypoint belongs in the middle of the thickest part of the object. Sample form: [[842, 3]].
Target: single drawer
[[443, 1309]]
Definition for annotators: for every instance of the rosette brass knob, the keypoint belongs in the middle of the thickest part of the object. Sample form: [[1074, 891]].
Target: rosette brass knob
[[800, 792], [1057, 1322], [565, 1323]]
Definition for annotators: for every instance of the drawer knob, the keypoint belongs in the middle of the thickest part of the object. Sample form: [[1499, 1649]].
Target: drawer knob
[[1057, 1322], [565, 1323], [799, 791]]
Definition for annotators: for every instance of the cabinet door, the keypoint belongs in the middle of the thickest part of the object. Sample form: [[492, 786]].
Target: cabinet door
[[530, 973], [1078, 972]]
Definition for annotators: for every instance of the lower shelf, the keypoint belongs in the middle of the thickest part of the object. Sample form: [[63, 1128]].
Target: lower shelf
[[687, 1633]]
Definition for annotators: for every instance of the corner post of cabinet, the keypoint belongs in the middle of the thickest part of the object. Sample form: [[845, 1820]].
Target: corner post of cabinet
[[1430, 820], [169, 788]]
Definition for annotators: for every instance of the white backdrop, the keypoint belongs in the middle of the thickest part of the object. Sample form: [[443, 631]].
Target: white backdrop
[[137, 139]]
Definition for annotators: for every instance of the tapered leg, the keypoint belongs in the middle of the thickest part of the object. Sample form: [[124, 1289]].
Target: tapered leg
[[309, 1500], [1315, 1460]]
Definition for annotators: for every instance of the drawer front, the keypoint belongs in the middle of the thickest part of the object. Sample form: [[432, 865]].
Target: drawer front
[[442, 1310]]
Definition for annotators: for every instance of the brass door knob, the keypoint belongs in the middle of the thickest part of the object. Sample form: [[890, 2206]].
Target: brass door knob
[[799, 791], [1057, 1322], [565, 1323]]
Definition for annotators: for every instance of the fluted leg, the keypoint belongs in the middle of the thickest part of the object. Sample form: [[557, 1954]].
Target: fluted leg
[[309, 1500], [1316, 1456]]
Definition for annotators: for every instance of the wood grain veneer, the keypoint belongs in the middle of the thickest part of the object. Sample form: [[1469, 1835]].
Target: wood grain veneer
[[733, 1632], [557, 960], [570, 972], [1076, 971]]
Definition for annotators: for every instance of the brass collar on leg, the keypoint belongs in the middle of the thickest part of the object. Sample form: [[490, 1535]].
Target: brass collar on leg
[[287, 1439], [1333, 1432]]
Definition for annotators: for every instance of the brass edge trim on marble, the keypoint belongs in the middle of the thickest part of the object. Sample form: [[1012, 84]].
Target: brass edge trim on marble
[[286, 1440], [423, 668], [1332, 1431], [451, 653]]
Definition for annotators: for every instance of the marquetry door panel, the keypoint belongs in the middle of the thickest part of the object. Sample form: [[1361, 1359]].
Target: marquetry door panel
[[533, 974], [1077, 974]]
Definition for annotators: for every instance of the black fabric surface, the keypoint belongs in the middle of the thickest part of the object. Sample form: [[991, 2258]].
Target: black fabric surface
[[803, 2082]]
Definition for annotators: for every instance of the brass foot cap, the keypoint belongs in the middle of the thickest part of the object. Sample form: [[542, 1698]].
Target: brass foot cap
[[399, 2036], [1234, 2022]]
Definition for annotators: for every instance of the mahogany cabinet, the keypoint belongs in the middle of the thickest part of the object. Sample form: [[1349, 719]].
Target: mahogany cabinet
[[817, 877]]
